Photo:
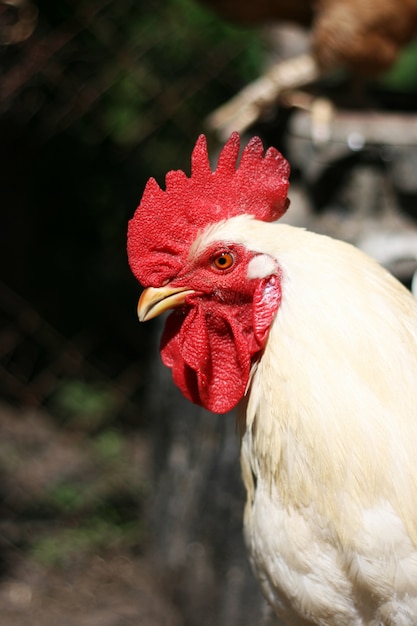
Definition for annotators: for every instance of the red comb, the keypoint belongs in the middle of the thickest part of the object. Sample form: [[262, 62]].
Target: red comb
[[166, 222]]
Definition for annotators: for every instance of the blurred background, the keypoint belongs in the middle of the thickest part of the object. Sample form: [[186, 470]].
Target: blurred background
[[120, 503]]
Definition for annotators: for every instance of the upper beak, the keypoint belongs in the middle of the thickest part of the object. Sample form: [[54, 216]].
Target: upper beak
[[154, 301]]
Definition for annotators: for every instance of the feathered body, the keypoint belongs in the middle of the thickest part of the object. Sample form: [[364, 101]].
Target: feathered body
[[328, 412], [329, 450]]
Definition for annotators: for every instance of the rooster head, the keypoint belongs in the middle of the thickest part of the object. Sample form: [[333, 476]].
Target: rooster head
[[223, 293]]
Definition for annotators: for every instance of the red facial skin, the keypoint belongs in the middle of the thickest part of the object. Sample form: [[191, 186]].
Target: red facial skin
[[167, 222], [212, 341]]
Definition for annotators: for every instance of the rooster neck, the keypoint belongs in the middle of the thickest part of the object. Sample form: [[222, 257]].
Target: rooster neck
[[330, 419], [327, 473]]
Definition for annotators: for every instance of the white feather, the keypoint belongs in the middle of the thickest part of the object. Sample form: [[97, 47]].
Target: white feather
[[260, 266], [329, 456]]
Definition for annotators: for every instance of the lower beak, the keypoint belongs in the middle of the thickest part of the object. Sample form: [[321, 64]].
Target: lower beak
[[154, 301]]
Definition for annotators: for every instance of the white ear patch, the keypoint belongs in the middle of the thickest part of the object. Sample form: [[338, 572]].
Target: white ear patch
[[260, 266]]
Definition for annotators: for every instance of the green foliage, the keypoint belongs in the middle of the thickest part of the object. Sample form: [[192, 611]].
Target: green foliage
[[109, 446], [95, 510], [65, 497], [75, 486], [94, 536], [403, 75], [85, 405], [177, 62]]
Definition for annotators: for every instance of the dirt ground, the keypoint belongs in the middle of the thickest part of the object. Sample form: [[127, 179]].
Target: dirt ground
[[118, 586], [115, 590], [91, 534]]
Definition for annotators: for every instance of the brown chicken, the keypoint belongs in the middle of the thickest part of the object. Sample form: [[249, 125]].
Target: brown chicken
[[363, 35]]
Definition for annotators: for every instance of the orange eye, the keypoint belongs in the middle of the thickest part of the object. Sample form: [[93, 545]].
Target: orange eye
[[223, 261]]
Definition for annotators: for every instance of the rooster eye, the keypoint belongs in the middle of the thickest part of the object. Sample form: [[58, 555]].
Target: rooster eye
[[223, 261]]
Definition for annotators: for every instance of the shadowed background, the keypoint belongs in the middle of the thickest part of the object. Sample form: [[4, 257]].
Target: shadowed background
[[120, 502]]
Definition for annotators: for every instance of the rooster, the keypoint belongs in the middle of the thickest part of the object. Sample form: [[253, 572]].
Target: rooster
[[316, 346]]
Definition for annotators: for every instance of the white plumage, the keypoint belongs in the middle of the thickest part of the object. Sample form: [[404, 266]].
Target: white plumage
[[318, 343], [329, 450]]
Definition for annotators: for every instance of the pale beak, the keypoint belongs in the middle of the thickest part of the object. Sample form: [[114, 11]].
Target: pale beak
[[154, 301]]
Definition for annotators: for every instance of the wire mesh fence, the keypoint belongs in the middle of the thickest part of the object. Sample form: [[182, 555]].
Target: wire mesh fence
[[96, 96], [136, 76]]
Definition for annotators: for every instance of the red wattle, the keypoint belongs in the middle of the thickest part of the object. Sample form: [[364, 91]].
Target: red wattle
[[212, 347]]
